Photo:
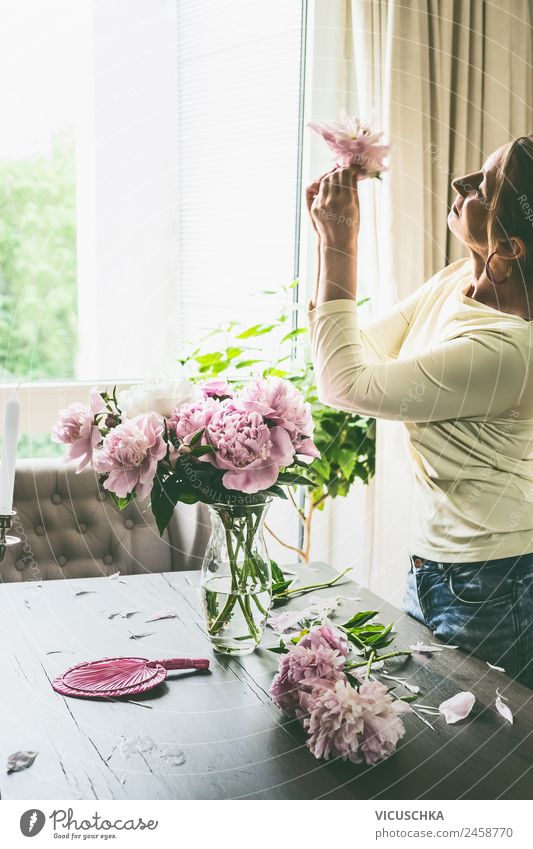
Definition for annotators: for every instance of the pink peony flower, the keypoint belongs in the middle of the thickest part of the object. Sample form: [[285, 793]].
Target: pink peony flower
[[130, 453], [76, 427], [216, 387], [250, 453], [353, 144], [187, 420], [326, 636], [281, 403], [303, 666], [352, 724]]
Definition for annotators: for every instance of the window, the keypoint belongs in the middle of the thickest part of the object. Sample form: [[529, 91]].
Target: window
[[238, 131], [154, 189], [37, 191]]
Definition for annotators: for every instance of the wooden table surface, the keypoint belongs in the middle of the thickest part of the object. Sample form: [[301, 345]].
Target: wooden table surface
[[218, 735]]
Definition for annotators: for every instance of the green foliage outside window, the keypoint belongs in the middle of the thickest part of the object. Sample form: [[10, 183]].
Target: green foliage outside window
[[38, 265]]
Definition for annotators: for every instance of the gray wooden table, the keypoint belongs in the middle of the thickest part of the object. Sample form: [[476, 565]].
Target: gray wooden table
[[218, 735]]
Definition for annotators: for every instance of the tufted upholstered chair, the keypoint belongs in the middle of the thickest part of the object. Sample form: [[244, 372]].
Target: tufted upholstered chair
[[71, 529]]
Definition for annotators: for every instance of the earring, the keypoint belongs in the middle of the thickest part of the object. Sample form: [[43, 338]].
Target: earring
[[490, 275]]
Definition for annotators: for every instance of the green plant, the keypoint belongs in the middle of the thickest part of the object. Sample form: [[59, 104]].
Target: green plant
[[38, 313], [346, 441]]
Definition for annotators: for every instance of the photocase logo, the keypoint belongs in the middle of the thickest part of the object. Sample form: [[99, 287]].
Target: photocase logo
[[32, 822]]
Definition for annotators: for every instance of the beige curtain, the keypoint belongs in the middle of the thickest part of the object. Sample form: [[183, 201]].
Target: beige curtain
[[449, 80]]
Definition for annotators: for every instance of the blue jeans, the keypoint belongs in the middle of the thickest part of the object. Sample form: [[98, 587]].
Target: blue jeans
[[485, 608]]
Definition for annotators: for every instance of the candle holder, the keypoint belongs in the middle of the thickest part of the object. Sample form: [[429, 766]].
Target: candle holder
[[6, 521]]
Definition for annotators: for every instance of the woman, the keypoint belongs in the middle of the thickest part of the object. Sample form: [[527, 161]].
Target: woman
[[452, 362]]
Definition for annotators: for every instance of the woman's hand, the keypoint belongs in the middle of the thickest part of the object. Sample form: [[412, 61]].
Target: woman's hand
[[311, 193], [333, 205]]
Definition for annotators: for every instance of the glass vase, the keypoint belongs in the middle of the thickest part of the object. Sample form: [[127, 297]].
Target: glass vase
[[236, 577]]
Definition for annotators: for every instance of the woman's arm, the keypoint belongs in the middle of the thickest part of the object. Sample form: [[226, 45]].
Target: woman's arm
[[334, 211], [482, 374], [479, 374]]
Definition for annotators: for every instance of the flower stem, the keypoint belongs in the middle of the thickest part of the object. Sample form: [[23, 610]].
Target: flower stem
[[314, 586], [259, 605], [370, 661], [223, 615], [376, 658]]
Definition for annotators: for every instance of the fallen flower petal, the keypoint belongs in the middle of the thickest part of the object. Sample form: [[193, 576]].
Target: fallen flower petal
[[116, 576], [60, 651], [413, 688], [422, 718], [458, 707], [496, 668], [164, 614], [20, 760], [504, 710], [443, 646], [124, 614], [423, 649], [284, 621]]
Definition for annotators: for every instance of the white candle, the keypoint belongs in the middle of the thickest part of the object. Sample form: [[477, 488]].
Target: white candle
[[9, 454]]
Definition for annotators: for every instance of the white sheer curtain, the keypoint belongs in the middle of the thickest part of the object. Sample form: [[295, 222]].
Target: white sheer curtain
[[449, 82]]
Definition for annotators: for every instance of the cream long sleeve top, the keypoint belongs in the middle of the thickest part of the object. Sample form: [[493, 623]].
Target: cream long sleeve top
[[457, 374]]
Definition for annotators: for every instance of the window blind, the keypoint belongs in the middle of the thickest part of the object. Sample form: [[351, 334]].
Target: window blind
[[238, 114]]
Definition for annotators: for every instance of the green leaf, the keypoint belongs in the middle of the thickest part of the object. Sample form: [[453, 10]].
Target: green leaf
[[231, 353], [322, 467], [280, 586], [163, 499], [247, 363], [209, 359], [360, 618], [294, 479], [121, 503], [277, 572], [200, 450], [294, 333], [277, 491], [275, 372], [197, 437], [255, 330]]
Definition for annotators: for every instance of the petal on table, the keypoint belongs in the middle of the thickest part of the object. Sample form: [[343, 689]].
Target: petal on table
[[458, 707], [504, 710]]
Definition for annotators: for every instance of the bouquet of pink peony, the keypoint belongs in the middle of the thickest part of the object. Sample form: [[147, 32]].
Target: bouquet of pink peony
[[346, 713], [233, 449], [186, 441]]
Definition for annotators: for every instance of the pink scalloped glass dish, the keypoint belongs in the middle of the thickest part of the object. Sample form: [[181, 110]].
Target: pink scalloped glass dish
[[113, 677]]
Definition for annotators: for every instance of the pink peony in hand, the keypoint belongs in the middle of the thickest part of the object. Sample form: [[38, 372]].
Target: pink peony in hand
[[303, 666], [352, 724], [216, 387], [353, 144], [130, 453], [76, 427], [250, 453], [281, 403]]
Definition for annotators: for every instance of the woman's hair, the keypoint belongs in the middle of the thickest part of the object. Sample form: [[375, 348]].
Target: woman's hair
[[511, 208]]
